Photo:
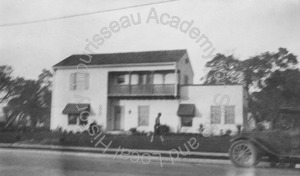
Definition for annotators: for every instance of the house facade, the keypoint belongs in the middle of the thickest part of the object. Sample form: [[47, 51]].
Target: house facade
[[120, 91]]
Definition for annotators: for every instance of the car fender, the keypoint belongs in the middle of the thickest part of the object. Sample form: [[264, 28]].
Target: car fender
[[257, 143]]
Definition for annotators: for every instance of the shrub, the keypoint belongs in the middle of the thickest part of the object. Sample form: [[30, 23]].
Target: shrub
[[163, 129], [62, 139], [18, 137], [133, 130], [201, 128], [221, 133], [239, 128], [228, 132], [58, 130]]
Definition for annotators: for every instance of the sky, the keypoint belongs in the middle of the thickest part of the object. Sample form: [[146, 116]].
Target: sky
[[241, 27]]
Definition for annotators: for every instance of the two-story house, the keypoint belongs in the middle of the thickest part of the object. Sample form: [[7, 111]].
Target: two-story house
[[120, 91]]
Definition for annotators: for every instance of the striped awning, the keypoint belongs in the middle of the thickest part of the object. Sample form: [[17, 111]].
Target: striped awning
[[76, 108], [186, 110]]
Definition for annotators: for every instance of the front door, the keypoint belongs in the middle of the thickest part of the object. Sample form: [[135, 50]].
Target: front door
[[118, 117]]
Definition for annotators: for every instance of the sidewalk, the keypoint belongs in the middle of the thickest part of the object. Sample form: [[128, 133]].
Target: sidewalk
[[170, 153]]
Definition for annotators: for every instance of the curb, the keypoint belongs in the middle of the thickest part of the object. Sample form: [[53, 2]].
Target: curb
[[164, 153]]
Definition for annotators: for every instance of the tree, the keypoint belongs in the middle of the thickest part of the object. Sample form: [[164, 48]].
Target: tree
[[269, 78], [31, 102], [45, 93], [282, 89], [6, 83], [251, 72]]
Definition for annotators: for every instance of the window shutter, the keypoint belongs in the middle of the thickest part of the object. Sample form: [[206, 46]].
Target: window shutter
[[86, 80], [73, 81]]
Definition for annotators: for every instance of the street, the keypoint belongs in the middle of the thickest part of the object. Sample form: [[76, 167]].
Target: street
[[46, 163]]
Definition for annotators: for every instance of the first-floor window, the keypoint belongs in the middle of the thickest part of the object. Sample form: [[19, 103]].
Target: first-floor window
[[83, 118], [186, 121], [229, 114], [215, 114], [143, 118], [77, 119], [72, 119]]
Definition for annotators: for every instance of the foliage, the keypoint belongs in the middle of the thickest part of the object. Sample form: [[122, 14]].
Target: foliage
[[163, 129], [133, 130], [228, 132], [272, 79], [239, 128], [6, 83], [29, 101], [132, 142], [251, 72], [282, 89]]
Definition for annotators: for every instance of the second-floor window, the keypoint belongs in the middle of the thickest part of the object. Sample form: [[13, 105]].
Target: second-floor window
[[145, 79], [79, 81], [120, 79]]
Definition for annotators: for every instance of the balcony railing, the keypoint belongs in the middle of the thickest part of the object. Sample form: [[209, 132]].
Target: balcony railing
[[142, 90]]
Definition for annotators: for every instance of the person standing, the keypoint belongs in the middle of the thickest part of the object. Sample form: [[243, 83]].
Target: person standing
[[156, 128]]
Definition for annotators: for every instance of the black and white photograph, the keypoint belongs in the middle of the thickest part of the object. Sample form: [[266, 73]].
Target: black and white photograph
[[149, 88]]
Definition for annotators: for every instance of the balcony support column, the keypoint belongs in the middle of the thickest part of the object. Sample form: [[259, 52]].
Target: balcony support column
[[177, 81], [152, 82], [130, 74]]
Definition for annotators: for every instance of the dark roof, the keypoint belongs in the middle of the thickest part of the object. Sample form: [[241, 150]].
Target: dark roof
[[187, 110], [124, 58], [75, 108]]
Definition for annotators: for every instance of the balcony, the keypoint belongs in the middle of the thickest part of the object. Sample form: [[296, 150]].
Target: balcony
[[143, 84], [142, 90]]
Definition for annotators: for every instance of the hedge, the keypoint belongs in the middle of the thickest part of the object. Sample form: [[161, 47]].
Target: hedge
[[139, 141]]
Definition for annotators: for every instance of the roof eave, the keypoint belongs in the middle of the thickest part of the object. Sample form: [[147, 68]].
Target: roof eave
[[116, 65]]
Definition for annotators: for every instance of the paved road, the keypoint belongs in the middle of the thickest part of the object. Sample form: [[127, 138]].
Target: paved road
[[52, 163]]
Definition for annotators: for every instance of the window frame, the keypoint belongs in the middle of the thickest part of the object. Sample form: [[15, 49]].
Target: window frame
[[74, 81], [145, 79], [214, 113], [226, 120], [139, 116], [75, 117], [190, 123], [121, 77]]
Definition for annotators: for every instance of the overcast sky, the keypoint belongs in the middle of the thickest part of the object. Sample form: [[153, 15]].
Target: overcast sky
[[242, 27]]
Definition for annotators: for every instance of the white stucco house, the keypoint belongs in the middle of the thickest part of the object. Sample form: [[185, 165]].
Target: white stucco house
[[121, 91]]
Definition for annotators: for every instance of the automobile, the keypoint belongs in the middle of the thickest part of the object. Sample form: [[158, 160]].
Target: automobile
[[279, 144]]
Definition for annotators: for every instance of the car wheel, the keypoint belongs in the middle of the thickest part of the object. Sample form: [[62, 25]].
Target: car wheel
[[243, 154]]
